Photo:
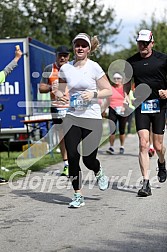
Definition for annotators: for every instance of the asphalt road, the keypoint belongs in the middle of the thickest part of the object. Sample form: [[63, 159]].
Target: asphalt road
[[34, 213]]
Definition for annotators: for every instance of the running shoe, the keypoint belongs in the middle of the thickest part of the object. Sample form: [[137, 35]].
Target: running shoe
[[77, 201], [162, 172], [65, 171], [121, 150], [145, 190], [151, 152], [110, 151], [102, 180], [3, 181]]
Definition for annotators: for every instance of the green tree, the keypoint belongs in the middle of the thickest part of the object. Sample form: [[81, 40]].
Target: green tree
[[48, 20], [92, 18], [56, 22], [12, 21]]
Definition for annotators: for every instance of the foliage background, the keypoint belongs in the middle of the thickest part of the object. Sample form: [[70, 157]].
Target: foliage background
[[56, 22]]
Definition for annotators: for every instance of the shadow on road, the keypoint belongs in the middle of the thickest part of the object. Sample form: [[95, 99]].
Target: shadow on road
[[103, 152], [123, 188], [54, 198]]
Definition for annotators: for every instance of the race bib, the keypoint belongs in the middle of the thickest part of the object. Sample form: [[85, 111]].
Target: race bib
[[119, 110], [150, 106], [60, 112], [78, 103]]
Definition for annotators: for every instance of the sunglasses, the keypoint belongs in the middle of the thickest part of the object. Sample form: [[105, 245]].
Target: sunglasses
[[145, 43]]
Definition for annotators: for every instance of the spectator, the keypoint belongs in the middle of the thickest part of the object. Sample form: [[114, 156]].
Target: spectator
[[3, 74]]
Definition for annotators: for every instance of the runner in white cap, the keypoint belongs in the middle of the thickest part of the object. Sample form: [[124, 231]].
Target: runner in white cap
[[150, 67]]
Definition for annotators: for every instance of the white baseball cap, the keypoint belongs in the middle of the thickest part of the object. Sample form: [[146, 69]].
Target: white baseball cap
[[84, 37], [117, 75], [145, 35]]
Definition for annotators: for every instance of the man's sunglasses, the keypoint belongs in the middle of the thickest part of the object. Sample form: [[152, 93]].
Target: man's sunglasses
[[145, 43]]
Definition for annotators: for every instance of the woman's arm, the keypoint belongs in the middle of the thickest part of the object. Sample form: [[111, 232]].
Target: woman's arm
[[105, 89], [9, 68]]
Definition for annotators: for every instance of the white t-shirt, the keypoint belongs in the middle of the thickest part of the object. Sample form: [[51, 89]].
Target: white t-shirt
[[79, 80]]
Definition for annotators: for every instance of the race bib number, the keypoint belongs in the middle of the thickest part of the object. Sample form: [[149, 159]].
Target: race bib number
[[78, 103], [119, 110], [150, 106], [60, 112]]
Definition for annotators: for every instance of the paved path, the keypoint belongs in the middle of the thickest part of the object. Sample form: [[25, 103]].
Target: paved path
[[34, 213]]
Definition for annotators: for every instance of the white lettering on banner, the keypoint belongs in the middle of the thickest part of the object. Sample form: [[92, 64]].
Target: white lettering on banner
[[9, 89]]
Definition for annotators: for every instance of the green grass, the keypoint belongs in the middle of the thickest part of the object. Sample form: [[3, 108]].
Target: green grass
[[11, 165]]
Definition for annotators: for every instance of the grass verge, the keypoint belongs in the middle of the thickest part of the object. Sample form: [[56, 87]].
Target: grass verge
[[10, 163]]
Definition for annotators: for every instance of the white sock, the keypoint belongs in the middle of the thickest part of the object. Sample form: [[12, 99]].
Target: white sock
[[65, 162]]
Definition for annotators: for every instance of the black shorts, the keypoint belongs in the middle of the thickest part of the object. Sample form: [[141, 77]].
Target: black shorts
[[114, 117], [57, 121], [54, 116], [145, 120]]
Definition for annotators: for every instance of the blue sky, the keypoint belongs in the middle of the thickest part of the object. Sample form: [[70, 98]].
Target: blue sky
[[132, 12]]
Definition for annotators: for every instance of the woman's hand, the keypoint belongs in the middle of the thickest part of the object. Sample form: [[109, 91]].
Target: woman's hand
[[87, 95]]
